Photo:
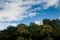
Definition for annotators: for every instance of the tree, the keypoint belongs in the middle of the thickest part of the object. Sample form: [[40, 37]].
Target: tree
[[9, 34], [24, 33], [34, 31], [46, 21], [47, 31]]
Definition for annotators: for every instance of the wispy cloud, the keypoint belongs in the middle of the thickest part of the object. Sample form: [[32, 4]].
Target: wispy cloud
[[4, 25], [14, 10], [50, 3], [37, 22], [17, 10], [45, 4]]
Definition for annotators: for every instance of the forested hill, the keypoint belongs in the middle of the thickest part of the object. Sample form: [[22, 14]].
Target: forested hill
[[50, 30]]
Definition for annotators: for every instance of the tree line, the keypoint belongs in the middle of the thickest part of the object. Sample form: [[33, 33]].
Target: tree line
[[50, 30]]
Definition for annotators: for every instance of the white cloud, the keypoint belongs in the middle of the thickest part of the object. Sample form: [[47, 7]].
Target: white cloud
[[51, 3], [32, 14], [44, 4], [16, 10], [37, 22], [4, 25]]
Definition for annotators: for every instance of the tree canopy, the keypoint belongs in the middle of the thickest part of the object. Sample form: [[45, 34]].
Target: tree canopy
[[50, 30]]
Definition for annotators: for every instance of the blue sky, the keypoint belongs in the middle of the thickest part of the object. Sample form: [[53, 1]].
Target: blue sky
[[13, 12]]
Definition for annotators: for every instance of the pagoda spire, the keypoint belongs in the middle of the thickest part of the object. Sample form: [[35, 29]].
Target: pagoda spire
[[41, 22]]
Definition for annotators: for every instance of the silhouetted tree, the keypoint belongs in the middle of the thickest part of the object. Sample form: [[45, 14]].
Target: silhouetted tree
[[9, 34]]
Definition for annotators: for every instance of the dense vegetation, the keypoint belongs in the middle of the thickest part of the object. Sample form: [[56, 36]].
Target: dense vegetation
[[49, 31]]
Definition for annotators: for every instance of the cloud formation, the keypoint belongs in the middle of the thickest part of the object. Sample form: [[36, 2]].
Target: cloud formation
[[17, 10], [37, 22], [50, 3]]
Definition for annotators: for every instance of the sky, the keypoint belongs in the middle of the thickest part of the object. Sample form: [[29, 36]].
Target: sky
[[13, 12]]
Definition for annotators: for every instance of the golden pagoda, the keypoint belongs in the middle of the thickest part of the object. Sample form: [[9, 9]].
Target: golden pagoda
[[41, 22]]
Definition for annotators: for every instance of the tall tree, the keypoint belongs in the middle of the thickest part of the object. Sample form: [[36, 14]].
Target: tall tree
[[22, 29]]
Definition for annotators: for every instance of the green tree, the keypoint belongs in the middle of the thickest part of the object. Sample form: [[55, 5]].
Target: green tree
[[22, 29], [46, 21], [47, 31], [34, 31], [9, 34]]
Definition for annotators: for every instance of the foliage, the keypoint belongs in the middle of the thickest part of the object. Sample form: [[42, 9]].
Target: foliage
[[50, 30]]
